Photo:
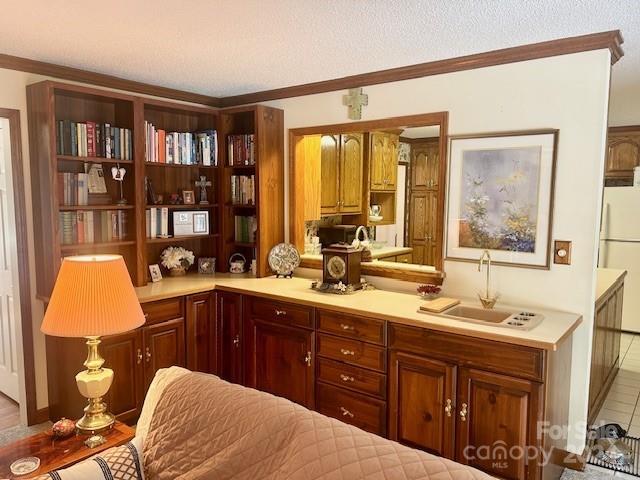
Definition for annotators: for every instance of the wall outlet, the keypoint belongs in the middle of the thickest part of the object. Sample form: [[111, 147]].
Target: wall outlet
[[562, 252]]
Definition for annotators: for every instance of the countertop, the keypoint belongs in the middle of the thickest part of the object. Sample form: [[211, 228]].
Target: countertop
[[607, 278], [392, 306], [375, 253]]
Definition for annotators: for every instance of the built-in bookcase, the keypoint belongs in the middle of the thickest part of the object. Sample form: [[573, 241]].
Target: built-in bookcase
[[49, 103]]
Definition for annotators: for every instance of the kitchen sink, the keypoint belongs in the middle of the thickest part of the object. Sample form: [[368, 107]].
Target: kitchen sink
[[517, 319]]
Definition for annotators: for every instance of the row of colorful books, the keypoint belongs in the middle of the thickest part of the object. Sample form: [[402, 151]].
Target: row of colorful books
[[241, 150], [245, 228], [73, 188], [243, 190], [92, 139], [185, 148], [92, 226]]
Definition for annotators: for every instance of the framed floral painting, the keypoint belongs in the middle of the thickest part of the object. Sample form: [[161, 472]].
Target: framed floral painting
[[500, 197]]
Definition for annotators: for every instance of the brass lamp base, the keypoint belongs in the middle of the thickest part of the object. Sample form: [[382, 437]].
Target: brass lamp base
[[93, 384]]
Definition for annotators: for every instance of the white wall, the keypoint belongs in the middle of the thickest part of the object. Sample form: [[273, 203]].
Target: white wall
[[569, 93]]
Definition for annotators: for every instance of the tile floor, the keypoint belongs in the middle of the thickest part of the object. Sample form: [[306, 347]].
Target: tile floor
[[621, 405]]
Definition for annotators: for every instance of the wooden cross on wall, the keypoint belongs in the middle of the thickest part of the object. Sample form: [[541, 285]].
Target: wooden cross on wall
[[355, 100], [203, 183]]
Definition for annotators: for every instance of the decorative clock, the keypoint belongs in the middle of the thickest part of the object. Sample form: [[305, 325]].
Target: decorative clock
[[341, 263]]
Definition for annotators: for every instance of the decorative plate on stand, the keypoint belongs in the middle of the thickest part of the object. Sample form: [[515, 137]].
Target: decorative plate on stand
[[284, 259]]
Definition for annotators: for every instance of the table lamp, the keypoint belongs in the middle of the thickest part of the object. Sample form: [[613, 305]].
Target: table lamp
[[93, 296]]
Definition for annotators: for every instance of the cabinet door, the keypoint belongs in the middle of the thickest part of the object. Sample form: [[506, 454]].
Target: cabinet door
[[351, 152], [423, 226], [123, 354], [422, 403], [163, 347], [376, 161], [623, 155], [329, 173], [390, 165], [279, 360], [425, 165], [229, 306], [497, 413], [201, 333]]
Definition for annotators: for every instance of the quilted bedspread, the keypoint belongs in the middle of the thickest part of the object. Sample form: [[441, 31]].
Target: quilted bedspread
[[206, 428]]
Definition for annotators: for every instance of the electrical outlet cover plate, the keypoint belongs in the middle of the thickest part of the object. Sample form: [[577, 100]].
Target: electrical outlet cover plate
[[562, 252]]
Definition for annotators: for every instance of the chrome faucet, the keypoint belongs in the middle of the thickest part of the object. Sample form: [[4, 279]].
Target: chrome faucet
[[487, 300]]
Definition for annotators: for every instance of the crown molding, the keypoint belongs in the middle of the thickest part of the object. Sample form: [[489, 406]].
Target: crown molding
[[611, 40], [102, 80]]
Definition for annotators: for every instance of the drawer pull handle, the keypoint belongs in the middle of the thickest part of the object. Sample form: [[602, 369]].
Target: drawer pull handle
[[464, 412], [307, 359], [280, 313], [346, 413], [347, 328], [147, 354], [344, 351], [139, 356], [346, 378], [236, 341], [448, 408]]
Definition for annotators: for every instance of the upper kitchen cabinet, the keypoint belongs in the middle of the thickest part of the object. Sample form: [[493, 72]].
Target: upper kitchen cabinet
[[341, 173], [383, 161], [623, 153]]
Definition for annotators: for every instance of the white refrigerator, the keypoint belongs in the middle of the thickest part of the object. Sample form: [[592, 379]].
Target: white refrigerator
[[620, 246]]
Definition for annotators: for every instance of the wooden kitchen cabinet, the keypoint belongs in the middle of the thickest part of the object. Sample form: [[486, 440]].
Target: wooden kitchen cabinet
[[230, 358], [383, 161], [341, 173], [422, 402], [425, 165], [279, 357], [499, 412], [123, 354], [201, 332], [623, 152], [164, 346], [423, 226]]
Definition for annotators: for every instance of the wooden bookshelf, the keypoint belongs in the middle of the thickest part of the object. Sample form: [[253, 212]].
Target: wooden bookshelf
[[50, 102]]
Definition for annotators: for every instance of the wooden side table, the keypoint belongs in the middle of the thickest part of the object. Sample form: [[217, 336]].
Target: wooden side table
[[55, 454]]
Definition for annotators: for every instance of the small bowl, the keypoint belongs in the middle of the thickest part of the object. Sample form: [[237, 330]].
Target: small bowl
[[24, 466]]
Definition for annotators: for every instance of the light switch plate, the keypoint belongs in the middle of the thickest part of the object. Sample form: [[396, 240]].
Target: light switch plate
[[562, 252]]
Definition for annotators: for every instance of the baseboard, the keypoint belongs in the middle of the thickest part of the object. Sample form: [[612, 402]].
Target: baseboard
[[570, 460], [42, 415]]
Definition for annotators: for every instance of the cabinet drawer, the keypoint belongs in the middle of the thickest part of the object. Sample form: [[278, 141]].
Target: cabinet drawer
[[353, 408], [367, 329], [163, 310], [352, 351], [281, 312], [354, 378]]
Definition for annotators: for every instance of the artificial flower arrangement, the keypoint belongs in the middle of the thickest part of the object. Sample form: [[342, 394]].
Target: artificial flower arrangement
[[429, 290], [177, 260]]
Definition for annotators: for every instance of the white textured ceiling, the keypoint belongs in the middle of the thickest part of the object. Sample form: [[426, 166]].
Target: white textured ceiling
[[228, 47]]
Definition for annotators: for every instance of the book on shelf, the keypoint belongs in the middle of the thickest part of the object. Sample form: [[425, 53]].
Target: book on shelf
[[245, 228], [87, 226], [73, 188], [180, 148], [241, 150], [157, 221], [243, 189], [92, 139]]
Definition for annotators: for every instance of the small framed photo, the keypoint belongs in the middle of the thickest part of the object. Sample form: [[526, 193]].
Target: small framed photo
[[201, 222], [188, 197], [206, 265], [156, 274]]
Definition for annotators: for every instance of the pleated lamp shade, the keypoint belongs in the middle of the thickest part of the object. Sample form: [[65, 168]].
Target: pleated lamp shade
[[93, 296]]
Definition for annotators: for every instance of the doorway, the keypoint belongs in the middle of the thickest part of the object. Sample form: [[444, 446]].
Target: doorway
[[17, 382]]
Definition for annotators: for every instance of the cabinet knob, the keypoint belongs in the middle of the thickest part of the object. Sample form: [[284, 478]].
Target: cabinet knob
[[280, 313], [346, 413], [236, 341], [344, 351], [346, 378], [448, 408], [147, 354], [307, 359], [347, 328], [139, 356], [464, 412]]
